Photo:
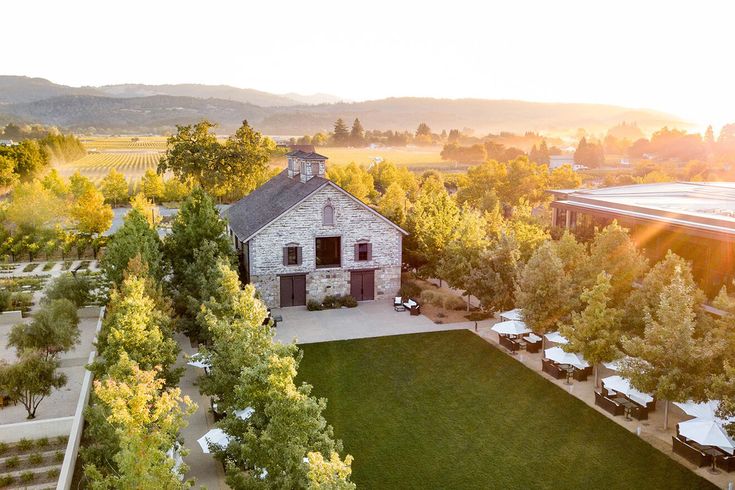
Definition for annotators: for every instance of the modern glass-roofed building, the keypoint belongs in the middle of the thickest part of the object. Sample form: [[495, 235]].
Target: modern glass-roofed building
[[694, 219]]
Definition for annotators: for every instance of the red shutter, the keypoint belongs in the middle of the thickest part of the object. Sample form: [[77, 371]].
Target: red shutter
[[285, 255], [298, 255], [357, 252], [370, 251]]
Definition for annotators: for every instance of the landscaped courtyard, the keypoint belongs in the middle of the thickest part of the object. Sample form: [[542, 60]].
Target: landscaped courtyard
[[448, 410]]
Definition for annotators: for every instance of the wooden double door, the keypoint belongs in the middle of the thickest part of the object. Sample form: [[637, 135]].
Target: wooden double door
[[293, 290], [362, 285]]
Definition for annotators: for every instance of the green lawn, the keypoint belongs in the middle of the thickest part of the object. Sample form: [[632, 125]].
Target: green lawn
[[447, 410]]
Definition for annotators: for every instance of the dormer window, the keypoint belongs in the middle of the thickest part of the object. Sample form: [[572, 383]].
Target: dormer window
[[328, 214]]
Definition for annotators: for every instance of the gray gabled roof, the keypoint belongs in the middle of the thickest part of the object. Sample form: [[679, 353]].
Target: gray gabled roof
[[266, 203], [304, 155], [269, 201]]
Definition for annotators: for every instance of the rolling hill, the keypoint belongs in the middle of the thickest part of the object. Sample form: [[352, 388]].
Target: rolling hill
[[137, 108]]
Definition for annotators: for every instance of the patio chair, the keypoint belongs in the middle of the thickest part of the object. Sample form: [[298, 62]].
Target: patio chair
[[726, 463], [413, 306], [610, 406], [398, 304], [690, 453]]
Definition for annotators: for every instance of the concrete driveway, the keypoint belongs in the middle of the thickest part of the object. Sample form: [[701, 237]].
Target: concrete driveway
[[369, 319]]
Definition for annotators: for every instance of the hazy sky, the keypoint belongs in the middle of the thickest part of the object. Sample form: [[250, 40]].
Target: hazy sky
[[675, 56]]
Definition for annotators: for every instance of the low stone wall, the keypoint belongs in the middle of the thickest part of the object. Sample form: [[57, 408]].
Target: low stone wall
[[36, 429], [10, 317]]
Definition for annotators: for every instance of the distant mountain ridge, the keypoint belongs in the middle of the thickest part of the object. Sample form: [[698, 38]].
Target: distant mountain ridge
[[139, 108]]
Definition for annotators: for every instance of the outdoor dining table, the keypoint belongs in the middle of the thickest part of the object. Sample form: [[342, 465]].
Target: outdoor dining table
[[714, 452], [627, 405]]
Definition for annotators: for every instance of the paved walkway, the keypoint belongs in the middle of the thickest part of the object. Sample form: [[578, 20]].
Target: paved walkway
[[369, 319], [204, 468], [650, 430]]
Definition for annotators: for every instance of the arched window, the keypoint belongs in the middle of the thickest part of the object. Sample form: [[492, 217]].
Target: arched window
[[328, 214]]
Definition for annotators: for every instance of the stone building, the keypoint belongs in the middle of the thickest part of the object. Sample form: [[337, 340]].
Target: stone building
[[300, 236]]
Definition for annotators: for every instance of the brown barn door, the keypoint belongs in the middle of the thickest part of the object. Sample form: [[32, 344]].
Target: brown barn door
[[362, 285], [293, 291]]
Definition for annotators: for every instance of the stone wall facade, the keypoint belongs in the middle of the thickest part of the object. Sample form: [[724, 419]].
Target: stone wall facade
[[353, 222]]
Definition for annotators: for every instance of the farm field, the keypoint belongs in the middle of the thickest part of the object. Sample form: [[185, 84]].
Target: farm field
[[448, 410], [124, 143], [414, 157], [96, 166]]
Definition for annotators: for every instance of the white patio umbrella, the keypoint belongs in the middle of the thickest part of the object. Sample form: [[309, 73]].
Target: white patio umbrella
[[511, 327], [704, 410], [245, 413], [199, 361], [559, 355], [516, 314], [556, 338], [622, 385], [707, 433], [215, 437]]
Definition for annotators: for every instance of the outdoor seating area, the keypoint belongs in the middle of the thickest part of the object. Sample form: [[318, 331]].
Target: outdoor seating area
[[703, 440], [617, 390], [561, 364], [410, 304]]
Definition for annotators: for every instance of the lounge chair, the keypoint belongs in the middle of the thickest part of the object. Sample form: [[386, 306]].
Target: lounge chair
[[413, 306], [398, 304], [609, 405]]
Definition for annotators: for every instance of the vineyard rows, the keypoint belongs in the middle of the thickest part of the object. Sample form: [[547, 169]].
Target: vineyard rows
[[96, 166], [125, 143]]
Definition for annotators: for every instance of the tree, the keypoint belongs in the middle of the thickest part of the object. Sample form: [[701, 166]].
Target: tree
[[595, 332], [174, 190], [357, 134], [246, 158], [33, 207], [75, 288], [589, 154], [115, 187], [147, 418], [668, 360], [329, 474], [135, 238], [152, 185], [341, 133], [196, 222], [54, 330], [8, 177], [90, 212], [79, 184], [31, 379], [146, 209], [393, 204], [545, 291], [135, 327], [30, 159], [353, 178], [493, 281], [432, 223]]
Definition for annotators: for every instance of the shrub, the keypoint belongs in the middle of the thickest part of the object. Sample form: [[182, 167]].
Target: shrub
[[12, 462], [432, 297], [25, 444], [6, 480], [42, 442], [30, 267], [349, 301], [313, 305], [452, 302], [329, 302], [62, 439], [3, 447], [35, 459], [59, 456], [409, 289], [53, 473], [27, 476], [75, 289]]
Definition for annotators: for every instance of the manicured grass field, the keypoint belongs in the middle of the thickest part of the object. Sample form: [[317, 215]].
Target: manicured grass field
[[446, 411]]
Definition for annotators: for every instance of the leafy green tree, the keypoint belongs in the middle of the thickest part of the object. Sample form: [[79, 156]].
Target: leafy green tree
[[564, 177], [146, 209], [545, 292], [646, 297], [494, 279], [353, 178], [152, 185], [75, 288], [147, 418], [393, 204], [668, 361], [135, 327], [595, 331], [33, 207], [196, 222], [174, 190], [341, 135], [433, 225], [30, 159], [54, 329], [528, 233], [134, 238], [193, 153], [31, 379], [90, 212], [613, 251], [115, 187], [79, 184], [329, 474], [8, 177]]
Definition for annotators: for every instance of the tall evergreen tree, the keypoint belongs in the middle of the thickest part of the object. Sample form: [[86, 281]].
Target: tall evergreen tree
[[357, 134], [341, 133]]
